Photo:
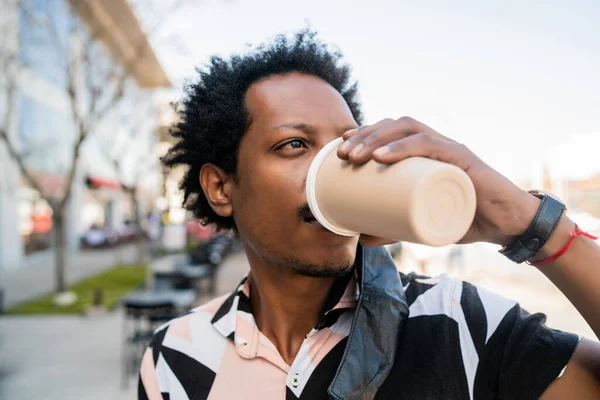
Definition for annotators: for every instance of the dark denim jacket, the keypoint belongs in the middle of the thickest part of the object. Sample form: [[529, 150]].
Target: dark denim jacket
[[376, 328]]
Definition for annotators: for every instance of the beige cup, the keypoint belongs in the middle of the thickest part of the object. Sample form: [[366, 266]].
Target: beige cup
[[416, 200]]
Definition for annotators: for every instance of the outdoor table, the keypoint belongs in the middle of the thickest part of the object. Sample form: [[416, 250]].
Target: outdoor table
[[184, 276], [144, 310], [195, 271], [180, 299]]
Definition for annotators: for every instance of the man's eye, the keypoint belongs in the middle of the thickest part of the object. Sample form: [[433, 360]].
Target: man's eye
[[293, 144]]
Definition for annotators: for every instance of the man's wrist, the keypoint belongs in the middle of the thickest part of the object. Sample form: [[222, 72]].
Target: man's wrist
[[539, 215], [557, 240], [525, 212]]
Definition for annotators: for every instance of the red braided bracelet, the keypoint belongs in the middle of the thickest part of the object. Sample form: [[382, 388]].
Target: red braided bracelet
[[574, 234]]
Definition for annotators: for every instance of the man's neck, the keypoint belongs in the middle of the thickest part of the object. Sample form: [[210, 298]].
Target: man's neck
[[286, 306]]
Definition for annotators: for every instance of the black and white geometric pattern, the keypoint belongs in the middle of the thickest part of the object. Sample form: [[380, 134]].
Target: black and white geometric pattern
[[459, 342]]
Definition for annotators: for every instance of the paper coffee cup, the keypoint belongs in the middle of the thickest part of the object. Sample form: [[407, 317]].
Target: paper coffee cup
[[416, 200]]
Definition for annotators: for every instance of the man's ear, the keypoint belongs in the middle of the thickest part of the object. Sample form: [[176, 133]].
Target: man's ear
[[217, 186]]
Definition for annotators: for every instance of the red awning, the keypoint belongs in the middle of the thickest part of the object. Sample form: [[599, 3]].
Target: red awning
[[97, 183]]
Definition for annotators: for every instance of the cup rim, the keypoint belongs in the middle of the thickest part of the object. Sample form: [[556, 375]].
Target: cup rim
[[311, 192]]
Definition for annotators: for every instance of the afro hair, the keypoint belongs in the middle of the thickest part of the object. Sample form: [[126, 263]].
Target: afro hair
[[213, 116]]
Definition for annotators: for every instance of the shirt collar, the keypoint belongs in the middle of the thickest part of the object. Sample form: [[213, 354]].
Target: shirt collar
[[235, 321]]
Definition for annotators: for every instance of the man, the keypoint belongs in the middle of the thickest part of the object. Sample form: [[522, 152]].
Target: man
[[324, 316]]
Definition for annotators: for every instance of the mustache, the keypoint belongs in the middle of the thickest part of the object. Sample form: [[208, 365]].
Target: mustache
[[304, 211]]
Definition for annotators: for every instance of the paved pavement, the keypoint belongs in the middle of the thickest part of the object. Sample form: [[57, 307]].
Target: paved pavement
[[61, 358], [36, 276], [79, 358], [73, 358]]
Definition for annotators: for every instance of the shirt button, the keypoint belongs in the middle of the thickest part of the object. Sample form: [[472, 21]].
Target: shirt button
[[295, 380]]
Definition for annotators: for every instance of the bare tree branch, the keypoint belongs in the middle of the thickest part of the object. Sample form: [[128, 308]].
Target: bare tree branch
[[41, 18], [114, 160], [144, 169], [20, 163], [93, 91], [119, 92], [12, 151], [9, 61]]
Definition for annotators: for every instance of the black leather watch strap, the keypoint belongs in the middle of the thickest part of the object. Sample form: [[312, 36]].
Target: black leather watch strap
[[539, 231]]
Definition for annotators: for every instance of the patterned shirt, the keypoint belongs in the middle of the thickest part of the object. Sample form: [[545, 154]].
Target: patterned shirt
[[460, 342]]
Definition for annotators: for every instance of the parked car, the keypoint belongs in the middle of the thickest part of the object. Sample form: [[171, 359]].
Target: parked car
[[127, 231], [97, 236]]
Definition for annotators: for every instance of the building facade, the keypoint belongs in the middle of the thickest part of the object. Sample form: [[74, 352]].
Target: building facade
[[42, 127]]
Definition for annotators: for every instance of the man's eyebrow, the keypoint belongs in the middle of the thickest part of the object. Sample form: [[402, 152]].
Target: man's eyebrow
[[309, 129], [298, 126]]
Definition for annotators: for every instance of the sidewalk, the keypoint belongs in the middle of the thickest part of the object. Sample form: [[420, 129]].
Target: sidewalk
[[36, 276], [74, 357]]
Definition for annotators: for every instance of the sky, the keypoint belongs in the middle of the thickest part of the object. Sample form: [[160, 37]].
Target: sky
[[516, 81]]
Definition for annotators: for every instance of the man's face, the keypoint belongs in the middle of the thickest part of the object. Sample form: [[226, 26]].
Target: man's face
[[292, 117]]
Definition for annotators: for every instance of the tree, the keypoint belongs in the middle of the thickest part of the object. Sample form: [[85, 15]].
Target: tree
[[94, 84], [118, 153], [133, 159]]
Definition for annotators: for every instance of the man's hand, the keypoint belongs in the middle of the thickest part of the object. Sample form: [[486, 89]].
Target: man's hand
[[504, 211]]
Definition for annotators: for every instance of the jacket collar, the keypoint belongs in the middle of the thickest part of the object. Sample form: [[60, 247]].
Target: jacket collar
[[376, 327], [378, 320]]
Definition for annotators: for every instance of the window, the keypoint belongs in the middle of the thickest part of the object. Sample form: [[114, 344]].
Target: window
[[44, 38], [46, 137]]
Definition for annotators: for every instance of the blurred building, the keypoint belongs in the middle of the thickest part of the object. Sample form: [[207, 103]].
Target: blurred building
[[584, 195], [173, 216], [580, 195], [43, 128]]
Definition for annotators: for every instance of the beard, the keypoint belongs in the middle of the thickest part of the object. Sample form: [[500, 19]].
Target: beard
[[331, 269], [304, 258]]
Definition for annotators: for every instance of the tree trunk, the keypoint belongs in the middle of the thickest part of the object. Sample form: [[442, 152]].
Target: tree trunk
[[60, 252], [140, 239]]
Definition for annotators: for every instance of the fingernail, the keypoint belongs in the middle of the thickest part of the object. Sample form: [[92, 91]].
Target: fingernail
[[382, 151], [349, 133], [356, 150]]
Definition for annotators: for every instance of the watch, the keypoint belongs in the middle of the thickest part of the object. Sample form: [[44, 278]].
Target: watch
[[539, 231]]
